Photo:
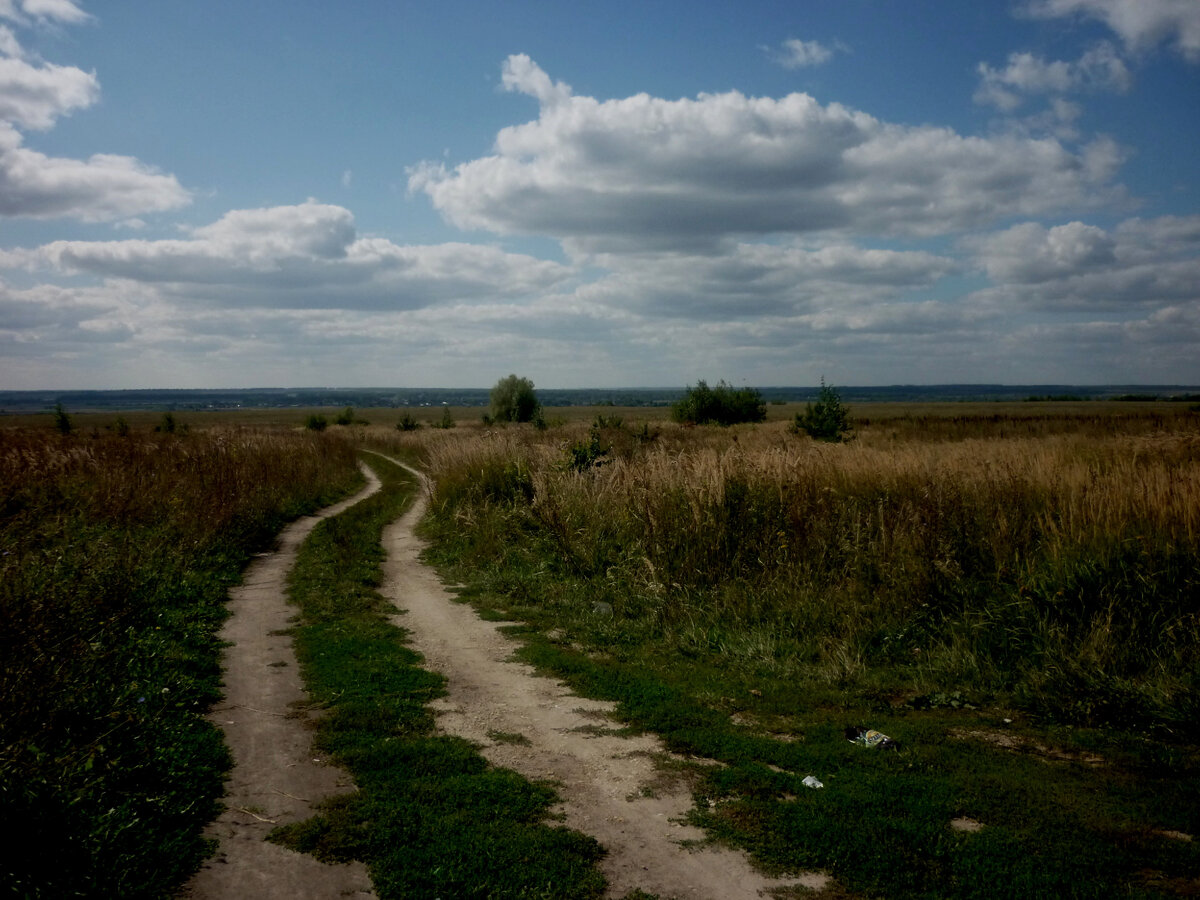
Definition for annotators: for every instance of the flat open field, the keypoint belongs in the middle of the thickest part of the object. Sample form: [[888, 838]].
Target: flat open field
[[1008, 591]]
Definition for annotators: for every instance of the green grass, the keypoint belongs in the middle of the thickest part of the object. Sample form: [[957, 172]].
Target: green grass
[[1045, 697], [116, 560], [430, 817]]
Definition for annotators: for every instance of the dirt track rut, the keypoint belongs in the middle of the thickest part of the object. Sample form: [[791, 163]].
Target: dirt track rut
[[276, 779], [609, 784]]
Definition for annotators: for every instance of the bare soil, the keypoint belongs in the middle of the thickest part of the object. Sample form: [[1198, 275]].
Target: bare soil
[[613, 787], [277, 778]]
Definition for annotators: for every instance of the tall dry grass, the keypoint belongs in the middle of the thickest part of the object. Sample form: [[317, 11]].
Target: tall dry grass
[[1057, 569], [115, 556]]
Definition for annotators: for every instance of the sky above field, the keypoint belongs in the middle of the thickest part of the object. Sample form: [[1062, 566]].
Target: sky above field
[[268, 193]]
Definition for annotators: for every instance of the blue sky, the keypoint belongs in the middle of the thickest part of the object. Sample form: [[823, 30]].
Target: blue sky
[[619, 194]]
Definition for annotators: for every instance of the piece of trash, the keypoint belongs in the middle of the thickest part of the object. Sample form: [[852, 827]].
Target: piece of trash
[[868, 737], [811, 782]]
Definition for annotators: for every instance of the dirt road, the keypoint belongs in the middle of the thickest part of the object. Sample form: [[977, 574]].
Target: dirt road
[[276, 777], [610, 786]]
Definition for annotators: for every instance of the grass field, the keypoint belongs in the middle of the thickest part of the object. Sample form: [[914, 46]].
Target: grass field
[[1008, 590], [115, 557], [1013, 597]]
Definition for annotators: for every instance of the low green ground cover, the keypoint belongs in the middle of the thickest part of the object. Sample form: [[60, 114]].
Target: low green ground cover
[[430, 818], [1019, 616], [116, 555]]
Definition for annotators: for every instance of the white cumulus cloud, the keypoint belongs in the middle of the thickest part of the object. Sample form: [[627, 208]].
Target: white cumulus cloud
[[101, 188], [1141, 24], [60, 11], [303, 256], [1141, 263], [1100, 68], [690, 172], [33, 95]]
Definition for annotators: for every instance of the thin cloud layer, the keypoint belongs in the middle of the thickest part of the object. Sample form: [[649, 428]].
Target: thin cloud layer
[[303, 256], [601, 175]]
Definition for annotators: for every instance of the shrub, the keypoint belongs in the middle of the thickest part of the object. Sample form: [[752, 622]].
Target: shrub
[[721, 405], [825, 420], [316, 423], [407, 423], [61, 420], [447, 421], [345, 417], [585, 455], [514, 400]]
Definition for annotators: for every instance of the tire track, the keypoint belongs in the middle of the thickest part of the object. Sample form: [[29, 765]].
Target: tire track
[[610, 786], [276, 779]]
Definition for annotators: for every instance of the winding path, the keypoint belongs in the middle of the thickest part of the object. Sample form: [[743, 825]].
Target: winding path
[[610, 785], [276, 777]]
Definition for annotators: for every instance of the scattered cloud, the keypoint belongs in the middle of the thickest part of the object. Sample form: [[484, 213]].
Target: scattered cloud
[[1099, 69], [1141, 24], [44, 11], [798, 54], [33, 95], [101, 188]]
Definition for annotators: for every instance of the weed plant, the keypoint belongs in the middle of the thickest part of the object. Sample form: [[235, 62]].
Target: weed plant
[[430, 818], [116, 554], [1019, 612]]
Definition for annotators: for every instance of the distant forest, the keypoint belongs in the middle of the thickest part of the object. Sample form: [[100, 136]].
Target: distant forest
[[366, 398]]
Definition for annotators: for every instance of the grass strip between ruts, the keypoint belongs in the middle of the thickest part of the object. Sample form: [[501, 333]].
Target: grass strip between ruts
[[430, 817]]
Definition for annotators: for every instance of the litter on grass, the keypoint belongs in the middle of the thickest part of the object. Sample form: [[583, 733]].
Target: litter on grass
[[868, 737], [811, 782]]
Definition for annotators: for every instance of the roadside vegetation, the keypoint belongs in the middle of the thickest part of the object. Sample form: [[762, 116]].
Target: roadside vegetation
[[430, 817], [1013, 601], [116, 553]]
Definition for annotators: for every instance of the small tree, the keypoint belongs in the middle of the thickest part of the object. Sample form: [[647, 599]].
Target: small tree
[[447, 420], [345, 417], [825, 420], [316, 423], [721, 405], [407, 423], [61, 420], [514, 400]]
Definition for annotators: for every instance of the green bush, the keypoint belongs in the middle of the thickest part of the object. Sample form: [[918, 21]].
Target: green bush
[[407, 423], [514, 400], [316, 423], [825, 420], [721, 405], [62, 421]]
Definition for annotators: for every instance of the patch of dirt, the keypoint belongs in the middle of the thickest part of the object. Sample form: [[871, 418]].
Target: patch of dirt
[[276, 777], [963, 823], [1019, 744], [610, 784]]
